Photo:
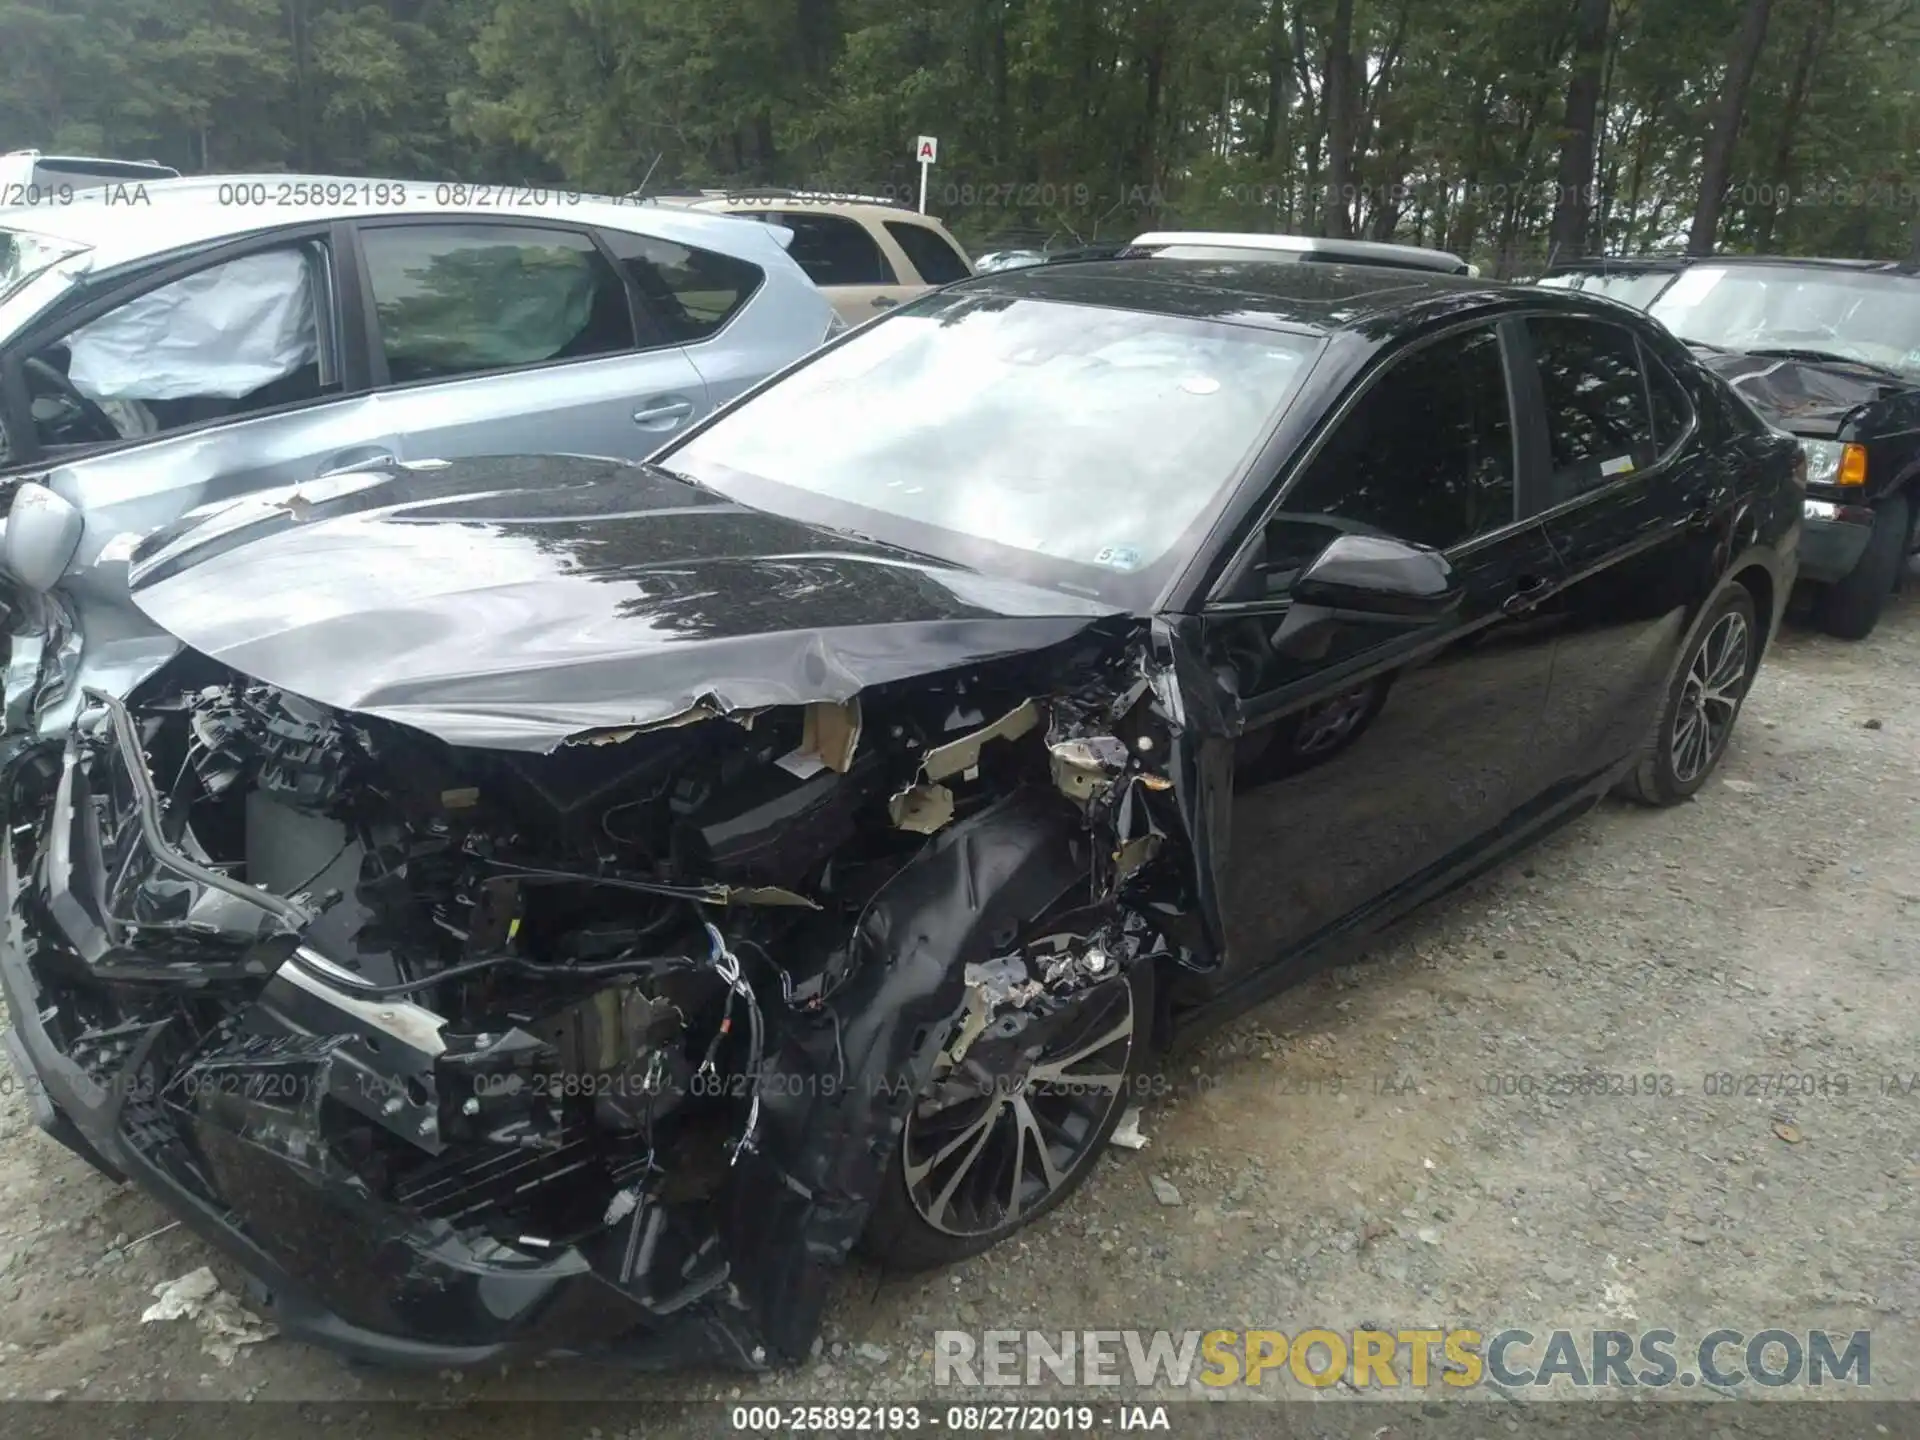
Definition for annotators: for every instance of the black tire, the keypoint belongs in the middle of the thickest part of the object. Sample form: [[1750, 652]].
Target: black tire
[[1850, 607], [901, 1237], [1673, 767]]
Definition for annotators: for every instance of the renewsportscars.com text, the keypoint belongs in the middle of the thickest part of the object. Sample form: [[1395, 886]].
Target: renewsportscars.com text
[[1391, 1359]]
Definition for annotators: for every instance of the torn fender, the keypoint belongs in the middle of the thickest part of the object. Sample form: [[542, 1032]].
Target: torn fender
[[837, 1088]]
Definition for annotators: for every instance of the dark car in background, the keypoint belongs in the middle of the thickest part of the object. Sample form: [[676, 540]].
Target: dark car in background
[[554, 904], [1830, 351], [1632, 282]]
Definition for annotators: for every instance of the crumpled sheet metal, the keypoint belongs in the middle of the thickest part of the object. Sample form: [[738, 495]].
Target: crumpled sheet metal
[[1794, 389], [926, 806]]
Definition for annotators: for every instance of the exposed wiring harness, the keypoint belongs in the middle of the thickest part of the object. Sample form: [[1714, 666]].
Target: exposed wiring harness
[[727, 965]]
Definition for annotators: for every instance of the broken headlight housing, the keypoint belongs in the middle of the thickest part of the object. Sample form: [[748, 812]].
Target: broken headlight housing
[[1830, 462]]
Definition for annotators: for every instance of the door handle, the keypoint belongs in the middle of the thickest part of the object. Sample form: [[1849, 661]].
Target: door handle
[[362, 459], [1701, 519], [1528, 593], [664, 416], [882, 302]]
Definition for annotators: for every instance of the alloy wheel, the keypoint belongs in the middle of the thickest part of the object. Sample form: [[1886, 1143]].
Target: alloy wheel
[[1710, 698], [1329, 724], [983, 1150]]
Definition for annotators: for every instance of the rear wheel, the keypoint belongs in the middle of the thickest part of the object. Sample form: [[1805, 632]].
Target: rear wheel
[[1850, 607], [1010, 1131], [1697, 719]]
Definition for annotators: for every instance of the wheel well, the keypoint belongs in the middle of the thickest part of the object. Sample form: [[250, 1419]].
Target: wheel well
[[1759, 584]]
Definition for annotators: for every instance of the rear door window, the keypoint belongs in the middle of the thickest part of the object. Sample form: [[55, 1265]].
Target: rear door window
[[1672, 406], [937, 261], [1599, 422], [834, 250], [462, 299], [692, 292]]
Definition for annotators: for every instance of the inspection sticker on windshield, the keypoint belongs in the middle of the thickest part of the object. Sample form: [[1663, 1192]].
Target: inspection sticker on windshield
[[1619, 465], [1118, 557]]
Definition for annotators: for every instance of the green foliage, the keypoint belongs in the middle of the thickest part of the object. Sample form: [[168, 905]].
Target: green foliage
[[1057, 118]]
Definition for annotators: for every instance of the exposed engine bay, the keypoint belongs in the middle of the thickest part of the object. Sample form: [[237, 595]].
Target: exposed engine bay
[[503, 1050]]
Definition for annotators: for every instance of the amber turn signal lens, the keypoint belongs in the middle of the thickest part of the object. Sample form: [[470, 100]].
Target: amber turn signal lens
[[1853, 465]]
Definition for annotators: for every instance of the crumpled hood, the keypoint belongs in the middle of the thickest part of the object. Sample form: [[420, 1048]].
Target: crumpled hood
[[516, 602], [1801, 395]]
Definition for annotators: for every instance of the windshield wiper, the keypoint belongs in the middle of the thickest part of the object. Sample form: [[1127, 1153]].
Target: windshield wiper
[[1823, 357]]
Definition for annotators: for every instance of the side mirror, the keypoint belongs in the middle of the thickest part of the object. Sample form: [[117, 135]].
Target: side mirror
[[1375, 575], [42, 532]]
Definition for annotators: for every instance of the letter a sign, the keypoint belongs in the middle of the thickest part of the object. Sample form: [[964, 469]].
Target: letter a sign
[[926, 150]]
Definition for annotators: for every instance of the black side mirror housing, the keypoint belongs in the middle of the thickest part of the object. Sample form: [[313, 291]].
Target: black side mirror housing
[[1375, 575]]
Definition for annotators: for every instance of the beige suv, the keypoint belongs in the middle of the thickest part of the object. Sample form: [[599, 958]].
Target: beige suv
[[866, 255]]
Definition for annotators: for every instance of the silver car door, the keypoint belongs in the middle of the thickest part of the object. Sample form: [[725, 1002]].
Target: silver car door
[[738, 317], [513, 337], [214, 382]]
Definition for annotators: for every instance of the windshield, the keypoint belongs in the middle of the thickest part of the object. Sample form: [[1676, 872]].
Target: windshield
[[24, 255], [1633, 288], [1871, 317], [1072, 445]]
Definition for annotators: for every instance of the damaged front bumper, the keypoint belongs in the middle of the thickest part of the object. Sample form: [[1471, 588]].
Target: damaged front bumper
[[338, 1265], [179, 1029]]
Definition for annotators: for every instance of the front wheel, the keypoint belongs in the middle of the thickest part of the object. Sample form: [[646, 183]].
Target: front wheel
[[1013, 1129], [1850, 607], [1695, 723]]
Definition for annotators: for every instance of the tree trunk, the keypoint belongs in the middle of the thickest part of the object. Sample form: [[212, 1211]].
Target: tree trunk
[[1002, 129], [1314, 124], [302, 85], [1717, 163], [1384, 217], [1339, 89], [1464, 222], [1273, 125], [1153, 63], [1606, 163], [1572, 205], [1811, 44]]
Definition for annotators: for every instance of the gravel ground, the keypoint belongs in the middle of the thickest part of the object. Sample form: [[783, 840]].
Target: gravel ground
[[1336, 1156]]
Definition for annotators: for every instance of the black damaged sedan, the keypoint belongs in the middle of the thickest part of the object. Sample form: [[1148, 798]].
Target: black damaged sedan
[[552, 905]]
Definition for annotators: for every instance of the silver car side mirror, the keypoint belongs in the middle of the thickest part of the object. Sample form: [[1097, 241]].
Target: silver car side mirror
[[43, 531]]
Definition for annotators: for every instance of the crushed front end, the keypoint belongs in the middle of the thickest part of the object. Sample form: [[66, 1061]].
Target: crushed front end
[[463, 1053]]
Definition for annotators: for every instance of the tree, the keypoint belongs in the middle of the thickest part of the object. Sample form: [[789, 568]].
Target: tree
[[1337, 216], [1717, 163], [1567, 236], [1507, 130]]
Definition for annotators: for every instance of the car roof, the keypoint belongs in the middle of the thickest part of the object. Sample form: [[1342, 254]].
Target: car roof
[[1609, 264], [164, 216], [1316, 298], [1417, 256], [97, 166]]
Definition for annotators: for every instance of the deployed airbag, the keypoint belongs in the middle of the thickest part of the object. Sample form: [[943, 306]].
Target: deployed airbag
[[222, 333]]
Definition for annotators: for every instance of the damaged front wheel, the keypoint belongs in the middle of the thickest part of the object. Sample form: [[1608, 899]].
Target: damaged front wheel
[[1014, 1128]]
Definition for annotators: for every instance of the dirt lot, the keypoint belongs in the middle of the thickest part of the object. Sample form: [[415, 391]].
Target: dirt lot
[[1344, 1155]]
